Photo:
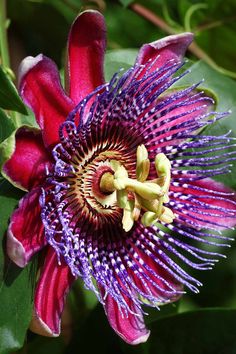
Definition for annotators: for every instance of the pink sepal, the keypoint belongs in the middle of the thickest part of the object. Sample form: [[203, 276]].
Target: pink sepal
[[50, 295], [130, 327], [25, 234], [171, 48], [41, 90], [27, 166], [86, 48]]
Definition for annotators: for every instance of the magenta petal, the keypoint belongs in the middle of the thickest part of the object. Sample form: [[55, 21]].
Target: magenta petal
[[41, 90], [217, 208], [168, 48], [131, 327], [86, 47], [26, 167], [26, 233], [50, 295]]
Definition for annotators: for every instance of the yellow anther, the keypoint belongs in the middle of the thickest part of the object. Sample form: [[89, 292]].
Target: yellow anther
[[167, 215], [149, 218], [162, 164], [142, 154], [143, 164], [128, 219], [143, 171], [163, 168], [137, 207], [166, 199]]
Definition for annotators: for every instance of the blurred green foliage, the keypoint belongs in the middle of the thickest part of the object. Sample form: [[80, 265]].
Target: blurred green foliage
[[212, 21]]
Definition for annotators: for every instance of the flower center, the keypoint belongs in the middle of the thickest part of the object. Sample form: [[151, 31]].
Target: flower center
[[135, 195]]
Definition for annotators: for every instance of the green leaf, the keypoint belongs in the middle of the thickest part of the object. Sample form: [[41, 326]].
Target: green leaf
[[16, 284], [90, 298], [223, 88], [127, 29], [9, 98], [119, 59], [126, 2], [29, 120], [104, 336], [7, 148], [164, 311], [207, 331], [6, 126], [104, 340]]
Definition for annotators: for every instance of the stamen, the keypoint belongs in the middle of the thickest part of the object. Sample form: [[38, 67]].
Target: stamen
[[135, 195], [163, 167], [143, 164], [128, 219]]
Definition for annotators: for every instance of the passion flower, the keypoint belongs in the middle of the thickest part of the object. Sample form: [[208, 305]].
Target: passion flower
[[118, 180]]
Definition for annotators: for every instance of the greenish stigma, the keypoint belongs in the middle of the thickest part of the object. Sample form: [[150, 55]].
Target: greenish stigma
[[141, 194]]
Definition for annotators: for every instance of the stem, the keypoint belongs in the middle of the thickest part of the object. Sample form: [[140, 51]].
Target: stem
[[3, 35], [189, 14], [4, 50], [151, 17], [215, 24], [199, 53], [167, 16], [208, 26], [193, 48]]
